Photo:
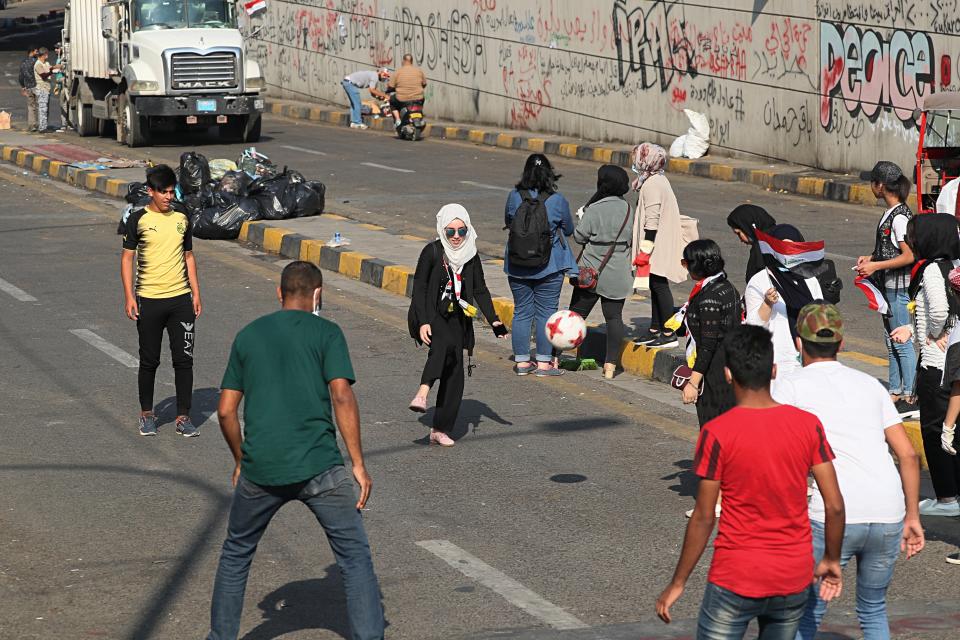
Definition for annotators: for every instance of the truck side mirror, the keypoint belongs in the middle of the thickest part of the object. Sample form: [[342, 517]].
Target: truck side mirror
[[107, 22]]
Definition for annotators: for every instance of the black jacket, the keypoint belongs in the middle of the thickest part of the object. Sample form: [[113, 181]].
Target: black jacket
[[711, 315], [27, 80], [429, 282]]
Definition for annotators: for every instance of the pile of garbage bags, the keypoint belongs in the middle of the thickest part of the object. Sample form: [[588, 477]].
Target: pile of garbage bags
[[220, 195]]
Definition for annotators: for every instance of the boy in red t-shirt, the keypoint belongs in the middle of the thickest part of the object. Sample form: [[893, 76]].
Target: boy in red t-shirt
[[759, 453]]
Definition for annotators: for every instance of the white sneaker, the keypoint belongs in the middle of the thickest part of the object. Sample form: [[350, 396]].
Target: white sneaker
[[689, 513], [358, 125], [954, 558], [933, 507]]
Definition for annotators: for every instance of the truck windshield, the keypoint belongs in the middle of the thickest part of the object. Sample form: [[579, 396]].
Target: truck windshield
[[943, 129], [182, 14]]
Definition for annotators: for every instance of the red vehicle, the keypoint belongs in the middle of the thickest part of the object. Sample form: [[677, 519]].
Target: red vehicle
[[938, 152]]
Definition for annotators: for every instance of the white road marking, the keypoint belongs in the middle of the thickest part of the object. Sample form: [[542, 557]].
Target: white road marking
[[293, 148], [511, 590], [383, 166], [484, 186], [114, 352], [16, 292], [837, 256]]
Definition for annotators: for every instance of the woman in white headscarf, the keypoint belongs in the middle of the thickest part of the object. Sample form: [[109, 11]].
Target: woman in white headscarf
[[447, 284]]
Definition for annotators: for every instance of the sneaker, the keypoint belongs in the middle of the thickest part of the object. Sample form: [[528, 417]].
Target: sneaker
[[418, 404], [148, 425], [358, 125], [907, 409], [716, 511], [954, 558], [524, 371], [440, 438], [552, 372], [933, 507], [664, 341], [647, 339], [186, 428]]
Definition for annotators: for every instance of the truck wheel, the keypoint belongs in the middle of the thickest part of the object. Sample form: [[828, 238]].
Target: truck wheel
[[86, 123], [130, 125], [251, 129]]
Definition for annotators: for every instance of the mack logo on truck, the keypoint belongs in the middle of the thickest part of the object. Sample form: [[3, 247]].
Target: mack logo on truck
[[216, 84]]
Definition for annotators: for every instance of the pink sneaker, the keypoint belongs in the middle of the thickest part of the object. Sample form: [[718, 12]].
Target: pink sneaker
[[441, 438], [418, 404]]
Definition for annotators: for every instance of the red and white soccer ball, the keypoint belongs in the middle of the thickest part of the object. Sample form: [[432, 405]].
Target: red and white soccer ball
[[566, 329]]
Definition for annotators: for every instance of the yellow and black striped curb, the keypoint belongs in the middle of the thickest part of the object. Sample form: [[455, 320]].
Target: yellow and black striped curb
[[819, 184], [651, 364]]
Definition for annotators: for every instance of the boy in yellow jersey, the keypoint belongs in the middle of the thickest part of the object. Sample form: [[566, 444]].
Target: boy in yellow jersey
[[166, 295]]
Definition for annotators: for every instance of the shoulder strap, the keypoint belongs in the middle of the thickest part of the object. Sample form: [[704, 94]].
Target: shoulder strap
[[609, 254]]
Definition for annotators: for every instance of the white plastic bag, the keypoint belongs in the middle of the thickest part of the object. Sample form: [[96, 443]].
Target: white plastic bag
[[695, 142]]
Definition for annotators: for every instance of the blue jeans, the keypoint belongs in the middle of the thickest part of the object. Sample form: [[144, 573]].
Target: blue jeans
[[534, 301], [725, 615], [333, 501], [902, 357], [353, 94], [876, 548]]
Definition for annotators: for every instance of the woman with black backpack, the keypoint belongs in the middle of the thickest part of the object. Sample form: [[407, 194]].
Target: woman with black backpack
[[537, 259]]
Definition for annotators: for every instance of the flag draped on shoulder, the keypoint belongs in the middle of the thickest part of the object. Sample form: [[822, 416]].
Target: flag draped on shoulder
[[788, 254]]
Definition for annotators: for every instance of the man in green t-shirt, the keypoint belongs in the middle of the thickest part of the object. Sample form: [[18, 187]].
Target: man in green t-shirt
[[290, 367]]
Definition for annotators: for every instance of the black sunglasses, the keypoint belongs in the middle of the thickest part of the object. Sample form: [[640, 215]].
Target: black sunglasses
[[461, 231]]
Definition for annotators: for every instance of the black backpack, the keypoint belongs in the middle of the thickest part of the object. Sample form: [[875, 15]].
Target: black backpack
[[530, 240]]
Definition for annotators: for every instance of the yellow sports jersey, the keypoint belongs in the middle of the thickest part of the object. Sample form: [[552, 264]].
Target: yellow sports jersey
[[160, 240]]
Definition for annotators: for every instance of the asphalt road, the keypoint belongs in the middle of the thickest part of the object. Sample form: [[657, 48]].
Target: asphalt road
[[375, 178], [107, 534]]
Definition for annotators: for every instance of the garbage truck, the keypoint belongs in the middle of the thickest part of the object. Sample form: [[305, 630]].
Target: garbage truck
[[153, 67]]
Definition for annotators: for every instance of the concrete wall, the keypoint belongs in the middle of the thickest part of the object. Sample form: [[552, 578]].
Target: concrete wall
[[828, 83]]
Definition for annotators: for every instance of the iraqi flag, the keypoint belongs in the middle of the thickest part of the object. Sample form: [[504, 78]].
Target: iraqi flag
[[252, 6], [788, 254], [874, 298]]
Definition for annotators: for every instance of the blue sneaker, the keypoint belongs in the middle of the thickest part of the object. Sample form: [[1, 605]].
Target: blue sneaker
[[148, 425], [186, 428]]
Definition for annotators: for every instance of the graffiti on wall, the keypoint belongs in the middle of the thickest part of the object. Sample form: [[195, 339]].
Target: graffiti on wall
[[868, 72], [783, 80]]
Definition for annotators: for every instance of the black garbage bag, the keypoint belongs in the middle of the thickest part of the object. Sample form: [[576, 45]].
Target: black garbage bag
[[137, 194], [194, 172], [321, 190], [288, 195], [234, 182], [194, 203], [223, 220]]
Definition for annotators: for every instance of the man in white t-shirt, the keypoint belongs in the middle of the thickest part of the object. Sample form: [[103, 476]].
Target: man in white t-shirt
[[364, 79], [862, 425]]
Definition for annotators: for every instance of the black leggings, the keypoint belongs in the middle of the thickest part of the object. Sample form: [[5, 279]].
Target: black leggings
[[583, 301], [932, 401], [661, 302], [445, 363], [175, 315]]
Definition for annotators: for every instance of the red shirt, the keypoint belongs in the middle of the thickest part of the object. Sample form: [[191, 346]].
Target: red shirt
[[761, 458]]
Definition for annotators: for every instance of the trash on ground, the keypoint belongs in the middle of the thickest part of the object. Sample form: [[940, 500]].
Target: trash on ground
[[695, 142], [338, 240], [253, 190]]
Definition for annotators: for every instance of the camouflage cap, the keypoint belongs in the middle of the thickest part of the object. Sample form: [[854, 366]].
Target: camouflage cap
[[820, 322]]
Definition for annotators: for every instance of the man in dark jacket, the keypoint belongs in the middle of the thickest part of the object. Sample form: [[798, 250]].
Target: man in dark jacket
[[27, 83]]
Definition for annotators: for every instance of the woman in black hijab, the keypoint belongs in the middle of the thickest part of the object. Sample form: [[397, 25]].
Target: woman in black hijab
[[612, 181], [744, 220], [933, 239]]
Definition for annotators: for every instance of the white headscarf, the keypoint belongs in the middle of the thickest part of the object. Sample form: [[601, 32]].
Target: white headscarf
[[459, 256]]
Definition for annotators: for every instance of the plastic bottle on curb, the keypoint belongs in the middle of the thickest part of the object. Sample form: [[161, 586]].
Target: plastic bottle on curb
[[338, 240]]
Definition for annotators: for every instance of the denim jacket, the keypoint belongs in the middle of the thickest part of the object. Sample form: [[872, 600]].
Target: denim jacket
[[561, 222]]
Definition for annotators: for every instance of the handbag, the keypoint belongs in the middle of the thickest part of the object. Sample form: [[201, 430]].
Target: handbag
[[681, 378], [588, 276]]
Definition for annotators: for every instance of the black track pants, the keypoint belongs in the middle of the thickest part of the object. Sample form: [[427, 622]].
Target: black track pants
[[175, 315]]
